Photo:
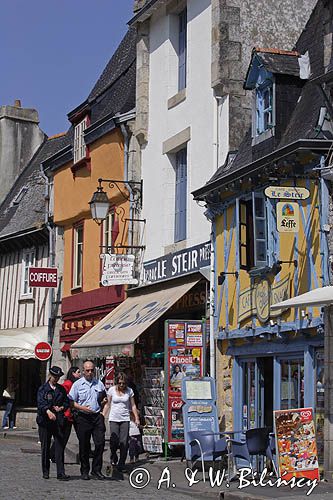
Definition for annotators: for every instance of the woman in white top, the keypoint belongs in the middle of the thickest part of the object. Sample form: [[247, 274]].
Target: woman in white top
[[121, 401]]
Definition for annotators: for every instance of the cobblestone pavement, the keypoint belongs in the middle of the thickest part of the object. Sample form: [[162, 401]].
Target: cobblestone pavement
[[20, 479]]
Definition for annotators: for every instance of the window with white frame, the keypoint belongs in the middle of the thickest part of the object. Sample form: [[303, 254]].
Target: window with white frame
[[253, 232], [28, 260], [77, 255], [181, 195], [80, 148], [109, 235], [182, 49]]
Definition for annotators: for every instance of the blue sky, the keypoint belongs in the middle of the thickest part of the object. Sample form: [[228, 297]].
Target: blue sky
[[53, 51]]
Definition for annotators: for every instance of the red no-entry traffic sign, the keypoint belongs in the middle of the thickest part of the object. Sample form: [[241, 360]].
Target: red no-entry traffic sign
[[43, 351]]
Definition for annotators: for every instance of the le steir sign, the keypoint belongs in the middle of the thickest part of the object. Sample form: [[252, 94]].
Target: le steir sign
[[45, 277], [118, 269], [259, 299], [287, 193]]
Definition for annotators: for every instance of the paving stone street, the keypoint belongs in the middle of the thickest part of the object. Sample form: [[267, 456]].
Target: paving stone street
[[21, 479]]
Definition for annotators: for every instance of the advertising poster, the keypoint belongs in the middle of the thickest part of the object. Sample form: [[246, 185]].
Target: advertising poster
[[296, 443], [184, 358]]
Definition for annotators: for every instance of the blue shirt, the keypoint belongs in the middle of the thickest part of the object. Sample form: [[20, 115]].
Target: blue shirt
[[86, 393]]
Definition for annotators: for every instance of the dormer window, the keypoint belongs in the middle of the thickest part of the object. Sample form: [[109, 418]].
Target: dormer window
[[264, 107], [80, 148]]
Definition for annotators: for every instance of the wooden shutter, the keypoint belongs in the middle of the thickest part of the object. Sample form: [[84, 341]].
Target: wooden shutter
[[182, 50], [243, 235], [181, 195]]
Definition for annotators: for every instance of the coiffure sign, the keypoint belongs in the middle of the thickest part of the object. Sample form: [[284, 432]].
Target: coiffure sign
[[45, 277], [177, 264]]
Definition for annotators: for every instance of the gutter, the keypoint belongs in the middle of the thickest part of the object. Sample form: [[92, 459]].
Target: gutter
[[250, 168]]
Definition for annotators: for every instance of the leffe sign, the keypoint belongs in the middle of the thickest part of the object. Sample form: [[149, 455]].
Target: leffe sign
[[178, 263], [118, 269]]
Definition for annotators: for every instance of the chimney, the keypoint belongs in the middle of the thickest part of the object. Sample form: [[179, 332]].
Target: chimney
[[17, 103]]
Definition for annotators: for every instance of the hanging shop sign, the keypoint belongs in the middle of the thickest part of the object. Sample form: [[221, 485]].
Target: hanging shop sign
[[184, 357], [287, 192], [43, 277], [287, 217], [257, 300], [296, 443], [43, 351], [118, 269], [177, 264]]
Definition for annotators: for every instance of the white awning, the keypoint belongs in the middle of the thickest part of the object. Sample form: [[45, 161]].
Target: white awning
[[317, 298], [20, 343], [115, 334]]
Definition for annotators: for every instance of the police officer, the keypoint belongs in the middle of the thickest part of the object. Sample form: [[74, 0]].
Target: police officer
[[52, 401], [88, 395]]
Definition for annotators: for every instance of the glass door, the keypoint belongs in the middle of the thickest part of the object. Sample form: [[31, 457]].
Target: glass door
[[253, 394], [292, 383]]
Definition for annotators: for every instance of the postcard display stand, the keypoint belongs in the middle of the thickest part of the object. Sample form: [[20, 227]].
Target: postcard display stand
[[199, 410], [153, 404], [184, 357]]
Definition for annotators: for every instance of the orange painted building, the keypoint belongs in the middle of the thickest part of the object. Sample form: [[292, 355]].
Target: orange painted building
[[97, 147]]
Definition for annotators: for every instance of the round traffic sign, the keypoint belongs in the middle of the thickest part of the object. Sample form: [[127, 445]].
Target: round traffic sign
[[43, 351]]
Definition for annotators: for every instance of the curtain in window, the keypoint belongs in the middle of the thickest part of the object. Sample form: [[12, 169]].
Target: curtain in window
[[181, 195]]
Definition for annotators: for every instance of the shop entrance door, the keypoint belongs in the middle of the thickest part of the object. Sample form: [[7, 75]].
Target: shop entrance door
[[257, 407]]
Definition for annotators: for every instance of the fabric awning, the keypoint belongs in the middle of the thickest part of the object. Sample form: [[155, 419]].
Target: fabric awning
[[115, 334], [20, 343], [317, 297]]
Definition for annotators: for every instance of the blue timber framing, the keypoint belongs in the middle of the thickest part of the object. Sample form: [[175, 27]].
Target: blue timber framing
[[324, 220]]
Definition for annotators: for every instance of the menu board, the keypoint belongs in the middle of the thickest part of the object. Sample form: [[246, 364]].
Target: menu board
[[296, 443], [198, 389], [184, 358]]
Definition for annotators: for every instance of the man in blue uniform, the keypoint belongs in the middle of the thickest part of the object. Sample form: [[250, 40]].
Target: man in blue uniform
[[52, 401], [88, 395]]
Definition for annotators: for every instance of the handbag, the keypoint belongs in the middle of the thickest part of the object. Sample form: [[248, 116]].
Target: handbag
[[6, 394]]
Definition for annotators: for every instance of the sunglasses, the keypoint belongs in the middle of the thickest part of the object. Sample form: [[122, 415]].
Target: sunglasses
[[90, 370], [121, 383]]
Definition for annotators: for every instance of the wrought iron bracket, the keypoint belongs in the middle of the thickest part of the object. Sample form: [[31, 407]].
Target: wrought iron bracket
[[135, 186]]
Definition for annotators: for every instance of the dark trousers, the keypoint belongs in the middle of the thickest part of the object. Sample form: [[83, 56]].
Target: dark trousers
[[134, 446], [45, 434], [119, 439], [67, 429], [88, 425]]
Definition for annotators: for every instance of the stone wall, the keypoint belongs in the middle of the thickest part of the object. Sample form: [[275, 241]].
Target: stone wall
[[237, 27]]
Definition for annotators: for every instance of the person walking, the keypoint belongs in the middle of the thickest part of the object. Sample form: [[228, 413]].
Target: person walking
[[9, 394], [52, 402], [88, 396], [72, 376], [121, 403]]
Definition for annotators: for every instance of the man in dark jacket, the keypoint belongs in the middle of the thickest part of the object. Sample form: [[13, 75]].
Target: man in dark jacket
[[52, 401]]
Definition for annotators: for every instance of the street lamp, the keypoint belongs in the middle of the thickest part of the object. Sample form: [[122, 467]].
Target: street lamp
[[99, 204]]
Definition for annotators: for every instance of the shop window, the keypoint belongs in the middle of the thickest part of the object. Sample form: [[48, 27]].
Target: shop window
[[80, 148], [181, 195], [182, 49], [253, 232], [320, 404], [292, 384], [28, 260], [77, 255]]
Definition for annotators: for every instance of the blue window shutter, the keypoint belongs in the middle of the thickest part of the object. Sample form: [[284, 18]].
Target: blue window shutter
[[182, 50], [181, 195]]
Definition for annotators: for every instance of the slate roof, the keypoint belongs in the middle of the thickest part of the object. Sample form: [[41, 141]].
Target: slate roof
[[302, 124], [29, 213], [279, 62]]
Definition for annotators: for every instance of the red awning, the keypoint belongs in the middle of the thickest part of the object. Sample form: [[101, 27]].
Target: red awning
[[65, 348]]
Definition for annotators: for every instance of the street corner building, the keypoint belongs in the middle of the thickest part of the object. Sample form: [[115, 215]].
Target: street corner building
[[24, 242], [270, 207]]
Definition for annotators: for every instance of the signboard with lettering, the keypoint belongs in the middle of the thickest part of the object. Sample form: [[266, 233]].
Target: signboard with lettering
[[199, 410], [296, 443], [44, 277], [287, 217], [258, 299], [118, 269], [184, 357], [287, 192], [177, 264]]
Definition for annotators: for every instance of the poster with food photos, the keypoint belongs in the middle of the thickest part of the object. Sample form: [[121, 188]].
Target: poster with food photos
[[296, 443]]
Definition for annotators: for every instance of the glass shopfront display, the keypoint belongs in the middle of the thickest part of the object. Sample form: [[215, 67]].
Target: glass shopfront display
[[292, 383]]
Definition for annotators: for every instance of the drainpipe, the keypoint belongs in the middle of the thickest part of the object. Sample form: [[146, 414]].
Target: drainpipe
[[131, 199], [212, 304], [51, 260]]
